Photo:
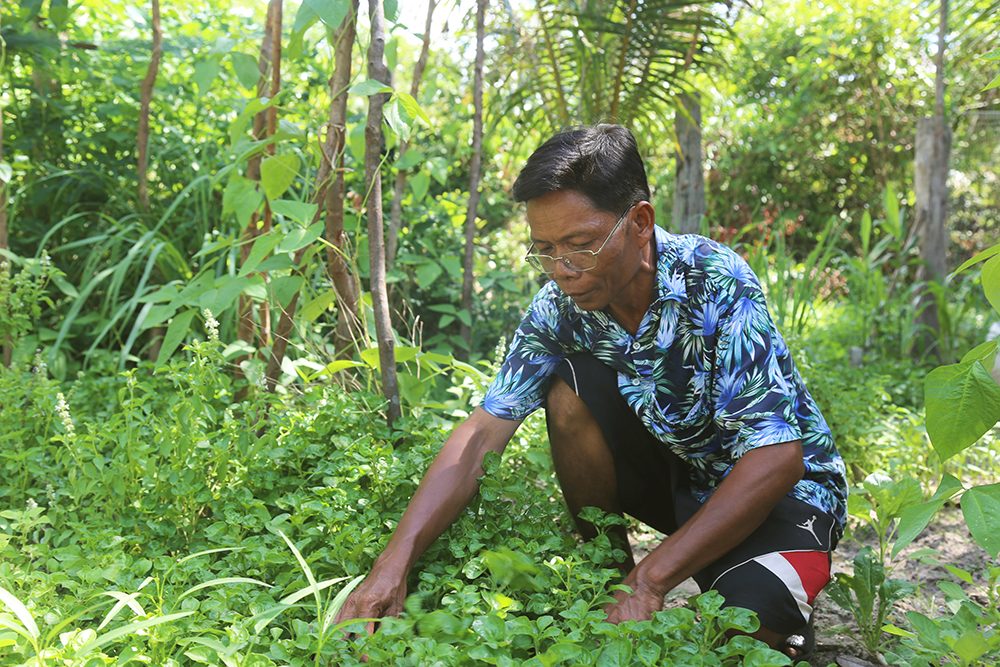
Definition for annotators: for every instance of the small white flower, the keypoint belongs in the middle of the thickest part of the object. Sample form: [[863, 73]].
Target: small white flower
[[211, 324], [40, 366], [62, 409], [31, 504]]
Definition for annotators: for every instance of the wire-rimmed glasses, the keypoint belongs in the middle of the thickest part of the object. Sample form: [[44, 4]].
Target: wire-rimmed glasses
[[576, 260]]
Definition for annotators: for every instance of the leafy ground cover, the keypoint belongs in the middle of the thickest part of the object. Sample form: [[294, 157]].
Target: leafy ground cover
[[153, 518]]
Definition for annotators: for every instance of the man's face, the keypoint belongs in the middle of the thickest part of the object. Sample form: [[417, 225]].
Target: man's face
[[565, 221]]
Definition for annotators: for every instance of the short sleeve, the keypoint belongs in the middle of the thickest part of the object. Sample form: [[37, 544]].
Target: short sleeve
[[535, 352], [754, 401]]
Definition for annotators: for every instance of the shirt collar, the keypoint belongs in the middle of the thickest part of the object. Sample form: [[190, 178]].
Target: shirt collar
[[670, 284]]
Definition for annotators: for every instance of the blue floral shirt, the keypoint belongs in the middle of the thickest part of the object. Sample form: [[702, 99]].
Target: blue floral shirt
[[707, 372]]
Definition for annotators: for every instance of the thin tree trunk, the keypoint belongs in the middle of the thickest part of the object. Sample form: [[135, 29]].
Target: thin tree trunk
[[330, 188], [396, 211], [146, 97], [376, 244], [475, 172], [931, 186], [332, 154], [6, 350], [689, 184], [246, 326]]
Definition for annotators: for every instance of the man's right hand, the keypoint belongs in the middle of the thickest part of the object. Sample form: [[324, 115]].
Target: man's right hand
[[379, 595]]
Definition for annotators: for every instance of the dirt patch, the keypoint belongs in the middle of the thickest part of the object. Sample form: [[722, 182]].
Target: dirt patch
[[947, 536]]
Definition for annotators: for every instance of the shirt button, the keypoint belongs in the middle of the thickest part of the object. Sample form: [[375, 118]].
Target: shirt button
[[636, 346], [636, 381]]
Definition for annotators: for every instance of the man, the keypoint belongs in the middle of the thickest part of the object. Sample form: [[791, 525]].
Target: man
[[669, 396]]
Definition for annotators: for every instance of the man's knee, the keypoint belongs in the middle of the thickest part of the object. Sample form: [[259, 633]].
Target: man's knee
[[565, 412]]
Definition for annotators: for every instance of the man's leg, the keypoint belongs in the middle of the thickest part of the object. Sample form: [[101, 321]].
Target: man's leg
[[584, 464]]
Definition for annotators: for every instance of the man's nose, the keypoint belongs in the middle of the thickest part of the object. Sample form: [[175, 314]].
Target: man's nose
[[563, 270]]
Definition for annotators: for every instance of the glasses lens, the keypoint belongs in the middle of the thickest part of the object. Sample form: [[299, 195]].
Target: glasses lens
[[582, 260], [543, 263]]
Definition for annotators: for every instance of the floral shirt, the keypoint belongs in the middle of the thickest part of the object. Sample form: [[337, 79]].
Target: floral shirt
[[707, 372]]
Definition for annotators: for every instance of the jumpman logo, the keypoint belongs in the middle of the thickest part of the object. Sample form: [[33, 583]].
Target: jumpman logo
[[808, 525]]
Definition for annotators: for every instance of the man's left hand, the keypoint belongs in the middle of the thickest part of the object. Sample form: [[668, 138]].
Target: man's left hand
[[639, 605]]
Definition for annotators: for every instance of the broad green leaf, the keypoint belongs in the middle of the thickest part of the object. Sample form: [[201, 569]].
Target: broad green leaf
[[261, 248], [336, 366], [412, 108], [318, 305], [277, 172], [330, 12], [978, 257], [131, 628], [285, 288], [397, 118], [914, 519], [304, 19], [176, 332], [892, 211], [464, 317], [419, 183], [866, 231], [391, 8], [20, 611], [300, 237], [963, 403], [204, 73], [970, 646], [227, 288], [617, 653], [246, 69], [428, 273], [981, 508], [995, 83], [301, 212], [991, 281], [983, 352], [897, 631], [409, 159], [369, 87], [241, 197]]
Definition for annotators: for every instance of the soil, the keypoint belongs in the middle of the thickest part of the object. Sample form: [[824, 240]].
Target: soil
[[947, 536]]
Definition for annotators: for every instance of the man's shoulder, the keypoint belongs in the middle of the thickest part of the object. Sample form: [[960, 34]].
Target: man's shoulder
[[710, 270]]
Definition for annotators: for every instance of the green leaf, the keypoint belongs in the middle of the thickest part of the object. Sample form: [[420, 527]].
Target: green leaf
[[963, 403], [264, 244], [330, 12], [914, 519], [300, 237], [995, 83], [299, 211], [866, 231], [892, 211], [277, 172], [129, 629], [20, 611], [318, 305], [304, 19], [409, 159], [991, 282], [978, 257], [970, 646], [412, 108], [176, 332], [241, 197], [369, 87], [428, 273], [227, 288], [617, 653], [246, 69], [285, 288], [204, 74], [419, 184], [337, 366], [221, 582], [981, 508]]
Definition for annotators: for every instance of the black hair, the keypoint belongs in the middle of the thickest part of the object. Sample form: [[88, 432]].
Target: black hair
[[601, 162]]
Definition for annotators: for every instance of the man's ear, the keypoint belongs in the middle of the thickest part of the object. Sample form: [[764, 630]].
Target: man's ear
[[644, 219]]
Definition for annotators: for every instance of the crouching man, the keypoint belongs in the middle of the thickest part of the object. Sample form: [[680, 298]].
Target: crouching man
[[669, 395]]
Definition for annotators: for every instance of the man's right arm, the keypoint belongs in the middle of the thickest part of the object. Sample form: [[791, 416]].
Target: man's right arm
[[446, 489]]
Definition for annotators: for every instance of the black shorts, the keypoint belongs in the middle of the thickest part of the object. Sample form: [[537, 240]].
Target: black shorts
[[777, 571]]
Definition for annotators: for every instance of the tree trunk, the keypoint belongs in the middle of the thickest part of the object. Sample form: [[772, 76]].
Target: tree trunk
[[933, 148], [376, 244], [145, 97], [396, 212], [332, 154], [475, 171], [329, 196], [6, 350], [246, 327], [689, 184]]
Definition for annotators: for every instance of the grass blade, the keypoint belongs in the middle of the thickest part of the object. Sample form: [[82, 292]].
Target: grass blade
[[221, 582], [124, 600], [129, 629], [310, 589], [208, 551], [20, 611], [304, 566], [338, 602]]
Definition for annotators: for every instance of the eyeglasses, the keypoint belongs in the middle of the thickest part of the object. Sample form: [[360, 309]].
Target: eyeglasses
[[577, 260]]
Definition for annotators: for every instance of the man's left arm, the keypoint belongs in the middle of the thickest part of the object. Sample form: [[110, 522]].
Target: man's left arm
[[738, 507]]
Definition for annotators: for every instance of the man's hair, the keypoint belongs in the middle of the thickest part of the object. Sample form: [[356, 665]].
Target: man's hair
[[601, 162]]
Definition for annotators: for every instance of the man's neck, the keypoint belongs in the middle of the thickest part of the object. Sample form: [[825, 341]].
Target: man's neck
[[638, 295]]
